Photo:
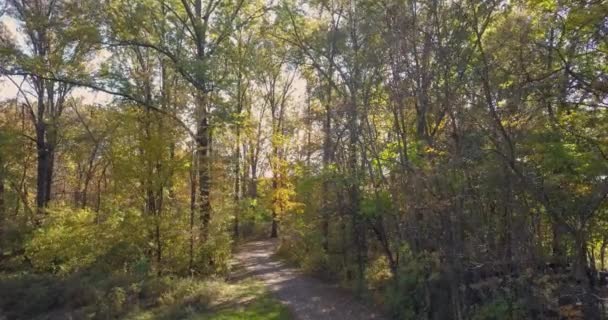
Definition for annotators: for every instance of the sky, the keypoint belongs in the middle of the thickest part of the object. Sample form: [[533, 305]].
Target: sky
[[8, 90]]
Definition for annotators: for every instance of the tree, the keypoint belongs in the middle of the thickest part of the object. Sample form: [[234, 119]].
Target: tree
[[55, 45]]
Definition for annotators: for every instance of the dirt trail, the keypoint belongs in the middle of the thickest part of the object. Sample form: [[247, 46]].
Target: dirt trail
[[308, 298]]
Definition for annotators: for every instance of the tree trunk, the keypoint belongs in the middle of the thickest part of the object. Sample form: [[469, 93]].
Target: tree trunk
[[49, 172], [358, 223], [327, 146], [45, 144], [557, 243], [159, 246], [253, 183], [88, 176], [203, 140], [237, 181], [43, 167], [203, 133], [603, 253], [193, 188], [2, 207], [237, 147], [275, 185], [580, 258], [579, 269], [274, 232], [508, 218]]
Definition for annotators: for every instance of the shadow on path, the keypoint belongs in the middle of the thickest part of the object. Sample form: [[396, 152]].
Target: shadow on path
[[308, 298]]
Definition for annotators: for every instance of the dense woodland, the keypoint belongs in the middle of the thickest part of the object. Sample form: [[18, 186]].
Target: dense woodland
[[445, 159]]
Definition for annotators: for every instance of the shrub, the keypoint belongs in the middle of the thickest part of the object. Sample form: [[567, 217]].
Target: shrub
[[409, 295], [500, 308], [378, 273], [74, 240], [99, 296]]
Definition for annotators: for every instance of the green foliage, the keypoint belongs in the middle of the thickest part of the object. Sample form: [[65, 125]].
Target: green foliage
[[254, 217], [74, 240], [471, 132], [302, 236], [115, 302], [301, 244], [378, 275], [376, 205], [408, 295], [500, 308]]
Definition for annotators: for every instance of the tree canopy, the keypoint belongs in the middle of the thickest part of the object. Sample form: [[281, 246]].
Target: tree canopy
[[450, 157]]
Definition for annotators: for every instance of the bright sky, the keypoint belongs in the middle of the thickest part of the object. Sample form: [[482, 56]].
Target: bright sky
[[9, 91]]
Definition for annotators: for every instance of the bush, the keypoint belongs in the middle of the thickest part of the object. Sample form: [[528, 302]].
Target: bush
[[409, 296], [74, 240], [153, 289], [501, 308], [98, 296], [117, 299], [78, 294]]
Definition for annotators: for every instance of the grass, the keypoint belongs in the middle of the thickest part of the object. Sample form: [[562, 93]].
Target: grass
[[126, 297], [247, 299], [264, 308]]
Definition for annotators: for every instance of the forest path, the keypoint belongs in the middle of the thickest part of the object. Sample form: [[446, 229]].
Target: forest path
[[306, 297]]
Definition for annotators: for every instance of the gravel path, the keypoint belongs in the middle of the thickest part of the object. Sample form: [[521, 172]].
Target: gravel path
[[306, 297]]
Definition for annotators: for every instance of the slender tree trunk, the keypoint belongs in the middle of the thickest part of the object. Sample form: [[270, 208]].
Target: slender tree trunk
[[193, 188], [102, 178], [277, 109], [237, 181], [2, 207], [327, 150], [557, 244], [603, 253], [159, 243], [237, 148], [49, 173], [308, 150], [358, 223], [158, 198], [88, 176], [253, 182], [276, 184], [203, 140], [508, 218]]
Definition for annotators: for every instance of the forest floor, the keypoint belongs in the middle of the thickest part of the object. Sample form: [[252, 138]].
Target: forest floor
[[260, 287], [306, 297], [99, 296]]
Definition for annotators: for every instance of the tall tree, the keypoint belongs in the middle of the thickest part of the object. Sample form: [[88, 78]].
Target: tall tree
[[59, 37]]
